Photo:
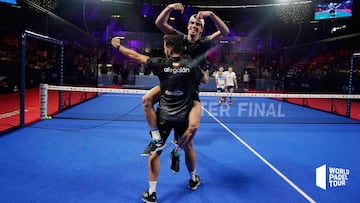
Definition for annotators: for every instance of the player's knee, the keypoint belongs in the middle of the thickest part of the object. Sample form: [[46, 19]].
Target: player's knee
[[154, 157], [193, 127], [146, 102], [188, 147]]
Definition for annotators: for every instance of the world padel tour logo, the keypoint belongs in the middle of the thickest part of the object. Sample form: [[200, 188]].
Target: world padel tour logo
[[331, 177]]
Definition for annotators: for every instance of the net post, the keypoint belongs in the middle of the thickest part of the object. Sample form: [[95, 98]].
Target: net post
[[350, 84], [43, 100], [44, 87], [61, 74], [23, 76]]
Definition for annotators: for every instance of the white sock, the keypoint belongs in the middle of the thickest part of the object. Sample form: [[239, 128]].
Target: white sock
[[192, 174], [152, 187], [155, 134]]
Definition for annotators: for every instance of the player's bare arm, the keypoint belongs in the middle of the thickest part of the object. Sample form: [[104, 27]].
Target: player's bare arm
[[115, 42]]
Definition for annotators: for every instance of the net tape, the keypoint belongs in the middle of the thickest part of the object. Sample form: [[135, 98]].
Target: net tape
[[269, 95]]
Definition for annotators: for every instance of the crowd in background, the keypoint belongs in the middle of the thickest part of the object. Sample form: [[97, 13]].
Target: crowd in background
[[43, 62], [326, 70]]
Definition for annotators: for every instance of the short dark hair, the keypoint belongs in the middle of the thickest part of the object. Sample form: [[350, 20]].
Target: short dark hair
[[174, 41]]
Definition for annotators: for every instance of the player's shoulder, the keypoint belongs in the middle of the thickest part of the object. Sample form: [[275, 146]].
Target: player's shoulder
[[186, 57], [205, 41], [158, 61]]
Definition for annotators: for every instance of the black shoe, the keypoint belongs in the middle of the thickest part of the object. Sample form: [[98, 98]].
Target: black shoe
[[147, 150], [148, 198], [193, 185], [175, 162], [153, 147]]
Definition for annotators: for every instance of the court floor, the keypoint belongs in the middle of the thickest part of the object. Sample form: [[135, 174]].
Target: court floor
[[98, 160]]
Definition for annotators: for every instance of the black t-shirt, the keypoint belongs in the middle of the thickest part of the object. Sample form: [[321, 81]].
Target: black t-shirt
[[178, 76], [197, 50]]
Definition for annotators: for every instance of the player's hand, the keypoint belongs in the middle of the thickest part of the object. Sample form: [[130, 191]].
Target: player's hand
[[115, 42], [176, 6], [203, 14]]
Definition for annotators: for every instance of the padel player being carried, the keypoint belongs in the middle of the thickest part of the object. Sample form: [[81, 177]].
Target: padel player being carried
[[178, 75], [197, 48]]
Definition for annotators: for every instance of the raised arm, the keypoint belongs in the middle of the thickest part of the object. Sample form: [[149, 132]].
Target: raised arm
[[115, 42], [162, 20], [223, 29], [205, 78]]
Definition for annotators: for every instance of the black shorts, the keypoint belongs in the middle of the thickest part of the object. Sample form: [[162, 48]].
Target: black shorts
[[165, 128], [219, 89], [229, 87], [196, 96]]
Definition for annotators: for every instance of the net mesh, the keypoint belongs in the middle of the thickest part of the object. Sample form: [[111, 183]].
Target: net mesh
[[125, 105]]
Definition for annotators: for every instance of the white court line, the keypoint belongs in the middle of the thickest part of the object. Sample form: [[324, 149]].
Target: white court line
[[9, 114], [306, 196]]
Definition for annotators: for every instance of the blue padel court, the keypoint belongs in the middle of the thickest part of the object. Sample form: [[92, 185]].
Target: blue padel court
[[257, 150]]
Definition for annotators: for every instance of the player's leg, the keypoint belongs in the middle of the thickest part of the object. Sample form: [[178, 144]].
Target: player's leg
[[190, 157], [231, 90], [154, 164], [190, 161], [187, 144], [186, 135], [219, 98], [148, 101], [194, 122], [223, 99], [194, 119], [226, 90], [153, 173]]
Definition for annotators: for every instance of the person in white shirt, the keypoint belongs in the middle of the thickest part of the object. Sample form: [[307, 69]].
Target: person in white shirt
[[246, 80], [230, 82], [220, 83]]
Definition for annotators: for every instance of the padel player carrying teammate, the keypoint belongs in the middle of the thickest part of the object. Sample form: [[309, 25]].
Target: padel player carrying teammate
[[196, 47], [178, 74]]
